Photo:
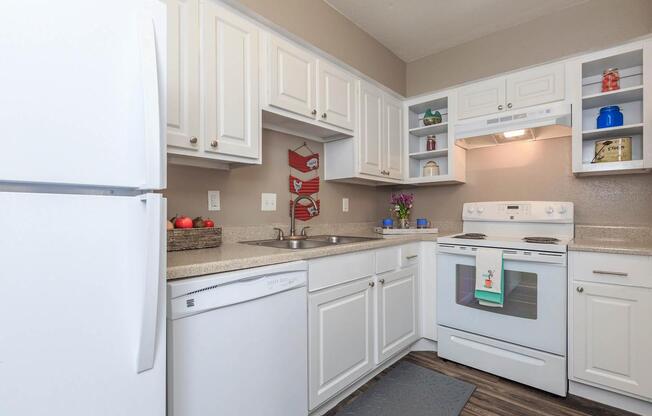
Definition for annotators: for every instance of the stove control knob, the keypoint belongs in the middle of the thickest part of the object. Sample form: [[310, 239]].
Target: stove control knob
[[480, 210], [562, 209], [470, 209], [550, 210]]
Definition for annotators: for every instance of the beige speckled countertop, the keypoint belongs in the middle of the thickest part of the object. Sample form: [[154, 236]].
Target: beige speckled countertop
[[234, 256], [613, 239]]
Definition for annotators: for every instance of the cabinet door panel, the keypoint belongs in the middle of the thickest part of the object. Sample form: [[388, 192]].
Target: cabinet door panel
[[371, 129], [480, 99], [183, 74], [392, 143], [230, 47], [535, 86], [336, 96], [397, 311], [291, 78], [612, 336], [340, 338]]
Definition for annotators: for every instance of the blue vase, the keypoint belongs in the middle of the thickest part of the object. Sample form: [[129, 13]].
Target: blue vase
[[610, 117]]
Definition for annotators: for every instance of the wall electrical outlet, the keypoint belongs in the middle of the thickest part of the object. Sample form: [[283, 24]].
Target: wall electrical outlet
[[267, 202], [345, 204], [213, 200]]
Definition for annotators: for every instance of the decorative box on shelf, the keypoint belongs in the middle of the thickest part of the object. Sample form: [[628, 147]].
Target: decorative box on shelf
[[194, 238]]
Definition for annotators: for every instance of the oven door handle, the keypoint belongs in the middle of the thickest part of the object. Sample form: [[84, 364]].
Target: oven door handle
[[515, 255]]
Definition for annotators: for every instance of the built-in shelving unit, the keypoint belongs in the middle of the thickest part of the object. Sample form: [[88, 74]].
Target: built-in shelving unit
[[448, 157], [634, 88]]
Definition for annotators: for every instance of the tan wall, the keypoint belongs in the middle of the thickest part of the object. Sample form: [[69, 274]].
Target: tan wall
[[538, 170], [240, 190], [322, 26], [592, 25]]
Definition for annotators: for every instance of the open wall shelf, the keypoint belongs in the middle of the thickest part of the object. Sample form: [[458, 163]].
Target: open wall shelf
[[630, 97]]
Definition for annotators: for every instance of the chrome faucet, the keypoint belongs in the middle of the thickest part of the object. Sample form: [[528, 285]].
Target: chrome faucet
[[293, 235]]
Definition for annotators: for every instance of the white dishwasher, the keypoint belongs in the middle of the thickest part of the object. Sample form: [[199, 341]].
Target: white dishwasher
[[237, 343]]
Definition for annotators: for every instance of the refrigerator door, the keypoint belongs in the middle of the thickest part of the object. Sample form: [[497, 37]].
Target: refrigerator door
[[83, 95], [82, 305]]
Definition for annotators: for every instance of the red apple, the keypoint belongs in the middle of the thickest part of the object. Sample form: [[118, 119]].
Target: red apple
[[183, 222], [209, 223]]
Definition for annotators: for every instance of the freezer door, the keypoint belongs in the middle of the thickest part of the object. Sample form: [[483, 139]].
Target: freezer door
[[83, 95], [82, 305]]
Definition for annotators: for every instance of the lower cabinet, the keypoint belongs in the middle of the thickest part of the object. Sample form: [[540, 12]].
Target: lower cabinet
[[354, 326], [340, 330], [396, 311], [612, 336]]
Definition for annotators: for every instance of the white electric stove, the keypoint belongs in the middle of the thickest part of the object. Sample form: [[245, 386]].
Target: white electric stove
[[525, 340]]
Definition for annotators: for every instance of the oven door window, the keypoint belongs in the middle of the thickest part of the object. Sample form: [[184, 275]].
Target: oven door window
[[520, 292]]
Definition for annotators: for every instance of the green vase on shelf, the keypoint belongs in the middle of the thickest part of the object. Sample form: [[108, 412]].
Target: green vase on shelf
[[430, 118]]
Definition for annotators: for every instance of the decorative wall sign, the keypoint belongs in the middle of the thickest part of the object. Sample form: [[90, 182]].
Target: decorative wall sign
[[300, 187], [307, 211], [304, 181], [303, 163]]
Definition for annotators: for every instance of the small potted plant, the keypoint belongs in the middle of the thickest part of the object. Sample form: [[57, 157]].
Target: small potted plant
[[401, 206]]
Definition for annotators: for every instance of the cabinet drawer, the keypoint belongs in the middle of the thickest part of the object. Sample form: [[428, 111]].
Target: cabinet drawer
[[387, 259], [618, 269], [330, 271], [409, 255]]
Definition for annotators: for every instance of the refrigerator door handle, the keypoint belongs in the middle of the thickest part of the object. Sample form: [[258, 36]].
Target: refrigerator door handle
[[153, 271], [152, 113]]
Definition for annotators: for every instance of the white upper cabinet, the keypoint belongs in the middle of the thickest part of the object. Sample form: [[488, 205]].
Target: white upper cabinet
[[371, 129], [336, 96], [522, 89], [291, 78], [482, 98], [535, 86], [183, 70], [392, 139], [231, 72], [612, 336]]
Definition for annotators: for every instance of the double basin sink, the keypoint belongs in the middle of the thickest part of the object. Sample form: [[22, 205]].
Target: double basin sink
[[310, 242]]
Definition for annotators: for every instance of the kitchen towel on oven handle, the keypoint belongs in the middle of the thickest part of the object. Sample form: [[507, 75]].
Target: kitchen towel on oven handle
[[489, 277]]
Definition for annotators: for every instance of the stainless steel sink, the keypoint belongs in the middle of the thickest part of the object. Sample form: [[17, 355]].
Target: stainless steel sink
[[340, 239], [290, 244], [310, 242]]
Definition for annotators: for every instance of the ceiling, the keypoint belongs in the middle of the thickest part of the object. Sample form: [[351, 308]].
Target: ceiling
[[413, 29]]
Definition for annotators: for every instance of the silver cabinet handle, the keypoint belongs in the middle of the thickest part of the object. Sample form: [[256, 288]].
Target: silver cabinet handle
[[193, 140], [500, 107], [382, 281], [313, 112], [509, 105], [580, 289], [372, 284], [622, 274], [324, 115], [414, 256], [214, 143]]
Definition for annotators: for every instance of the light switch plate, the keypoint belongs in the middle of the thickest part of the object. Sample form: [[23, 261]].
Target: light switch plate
[[267, 202], [213, 200], [345, 204]]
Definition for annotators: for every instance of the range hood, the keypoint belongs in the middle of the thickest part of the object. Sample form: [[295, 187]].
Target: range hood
[[536, 123]]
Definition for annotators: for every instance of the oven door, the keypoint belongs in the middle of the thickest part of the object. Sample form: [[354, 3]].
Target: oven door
[[534, 310]]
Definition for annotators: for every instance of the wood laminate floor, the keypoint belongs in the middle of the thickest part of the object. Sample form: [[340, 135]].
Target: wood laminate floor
[[496, 396]]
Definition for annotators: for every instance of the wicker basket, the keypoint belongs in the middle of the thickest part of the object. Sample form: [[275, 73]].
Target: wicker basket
[[194, 238]]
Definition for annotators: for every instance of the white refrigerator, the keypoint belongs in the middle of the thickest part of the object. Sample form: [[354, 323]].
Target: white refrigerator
[[82, 228]]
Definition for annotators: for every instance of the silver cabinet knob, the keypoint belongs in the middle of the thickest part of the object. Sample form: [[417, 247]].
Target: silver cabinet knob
[[313, 112], [500, 107], [324, 115], [193, 140], [509, 105], [372, 284], [382, 281], [214, 143], [580, 289]]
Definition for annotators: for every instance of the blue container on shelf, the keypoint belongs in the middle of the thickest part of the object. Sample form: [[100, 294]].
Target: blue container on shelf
[[610, 116], [388, 223]]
